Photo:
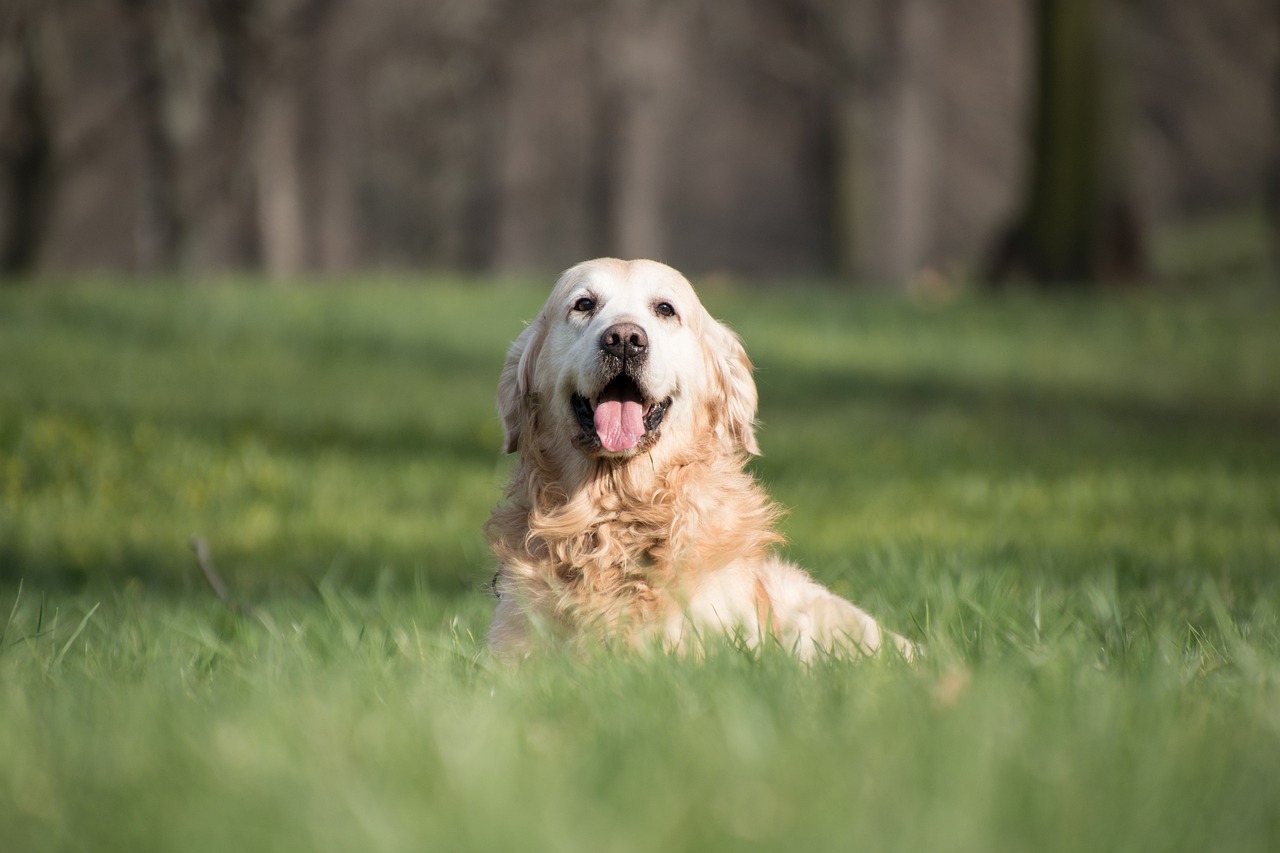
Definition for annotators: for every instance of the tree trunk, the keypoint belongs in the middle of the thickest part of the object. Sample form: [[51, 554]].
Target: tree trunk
[[159, 228], [227, 181], [278, 178], [638, 60], [287, 191], [26, 157], [880, 60], [1273, 199], [905, 212], [1078, 223], [332, 103], [849, 183], [847, 47]]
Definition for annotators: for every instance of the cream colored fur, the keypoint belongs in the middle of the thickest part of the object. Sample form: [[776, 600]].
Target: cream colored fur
[[665, 543]]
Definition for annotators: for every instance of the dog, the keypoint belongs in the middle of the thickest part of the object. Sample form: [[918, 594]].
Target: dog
[[629, 518]]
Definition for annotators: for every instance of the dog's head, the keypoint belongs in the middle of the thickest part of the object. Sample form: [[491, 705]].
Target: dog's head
[[623, 359]]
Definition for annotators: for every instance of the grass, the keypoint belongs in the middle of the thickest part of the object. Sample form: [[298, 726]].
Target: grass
[[1073, 502]]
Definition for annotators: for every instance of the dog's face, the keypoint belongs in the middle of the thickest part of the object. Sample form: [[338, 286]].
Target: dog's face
[[624, 359]]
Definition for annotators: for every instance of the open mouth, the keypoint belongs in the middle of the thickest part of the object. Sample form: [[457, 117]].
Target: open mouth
[[620, 419]]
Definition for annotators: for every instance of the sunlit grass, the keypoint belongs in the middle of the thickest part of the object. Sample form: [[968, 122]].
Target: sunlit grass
[[1074, 503]]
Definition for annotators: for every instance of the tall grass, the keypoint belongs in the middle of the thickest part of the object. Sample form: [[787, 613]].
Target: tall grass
[[1073, 503]]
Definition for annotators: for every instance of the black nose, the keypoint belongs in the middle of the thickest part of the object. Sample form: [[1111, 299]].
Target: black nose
[[625, 341]]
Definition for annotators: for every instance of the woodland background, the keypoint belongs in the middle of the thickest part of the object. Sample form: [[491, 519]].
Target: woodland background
[[884, 141]]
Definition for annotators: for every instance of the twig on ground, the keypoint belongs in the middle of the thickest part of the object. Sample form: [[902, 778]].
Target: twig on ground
[[204, 559]]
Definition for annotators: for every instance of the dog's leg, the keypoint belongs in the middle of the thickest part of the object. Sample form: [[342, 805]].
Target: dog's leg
[[510, 633], [811, 619]]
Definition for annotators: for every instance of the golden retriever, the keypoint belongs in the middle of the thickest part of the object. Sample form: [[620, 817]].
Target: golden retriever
[[629, 516]]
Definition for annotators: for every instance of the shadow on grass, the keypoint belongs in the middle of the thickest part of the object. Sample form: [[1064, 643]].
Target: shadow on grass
[[63, 555], [173, 571], [405, 435], [1094, 423], [169, 327]]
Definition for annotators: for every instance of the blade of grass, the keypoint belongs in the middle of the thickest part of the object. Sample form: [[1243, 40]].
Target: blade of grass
[[13, 612], [57, 660]]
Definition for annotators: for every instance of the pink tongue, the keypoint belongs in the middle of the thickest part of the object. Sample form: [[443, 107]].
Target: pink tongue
[[619, 422]]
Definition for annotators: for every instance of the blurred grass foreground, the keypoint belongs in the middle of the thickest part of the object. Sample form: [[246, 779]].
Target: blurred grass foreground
[[1073, 502]]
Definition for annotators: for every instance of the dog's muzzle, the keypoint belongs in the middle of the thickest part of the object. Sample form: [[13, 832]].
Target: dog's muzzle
[[620, 418]]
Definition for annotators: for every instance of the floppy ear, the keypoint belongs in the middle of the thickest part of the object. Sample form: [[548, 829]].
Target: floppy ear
[[731, 371], [516, 383]]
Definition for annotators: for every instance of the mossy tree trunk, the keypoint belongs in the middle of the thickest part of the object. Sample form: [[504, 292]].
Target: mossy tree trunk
[[26, 150], [1078, 223]]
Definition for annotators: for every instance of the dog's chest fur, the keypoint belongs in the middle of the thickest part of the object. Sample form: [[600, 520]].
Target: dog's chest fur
[[624, 547]]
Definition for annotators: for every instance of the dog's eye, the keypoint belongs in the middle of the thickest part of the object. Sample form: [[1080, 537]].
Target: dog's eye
[[584, 304], [664, 309]]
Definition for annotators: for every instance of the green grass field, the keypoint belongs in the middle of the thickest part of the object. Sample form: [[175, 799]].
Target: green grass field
[[1072, 502]]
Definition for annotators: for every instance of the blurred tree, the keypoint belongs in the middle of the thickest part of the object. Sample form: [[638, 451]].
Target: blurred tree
[[287, 61], [159, 229], [226, 187], [529, 194], [276, 197], [331, 101], [1273, 200], [1079, 222], [26, 143], [767, 137], [876, 74], [637, 63], [845, 46], [913, 31]]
